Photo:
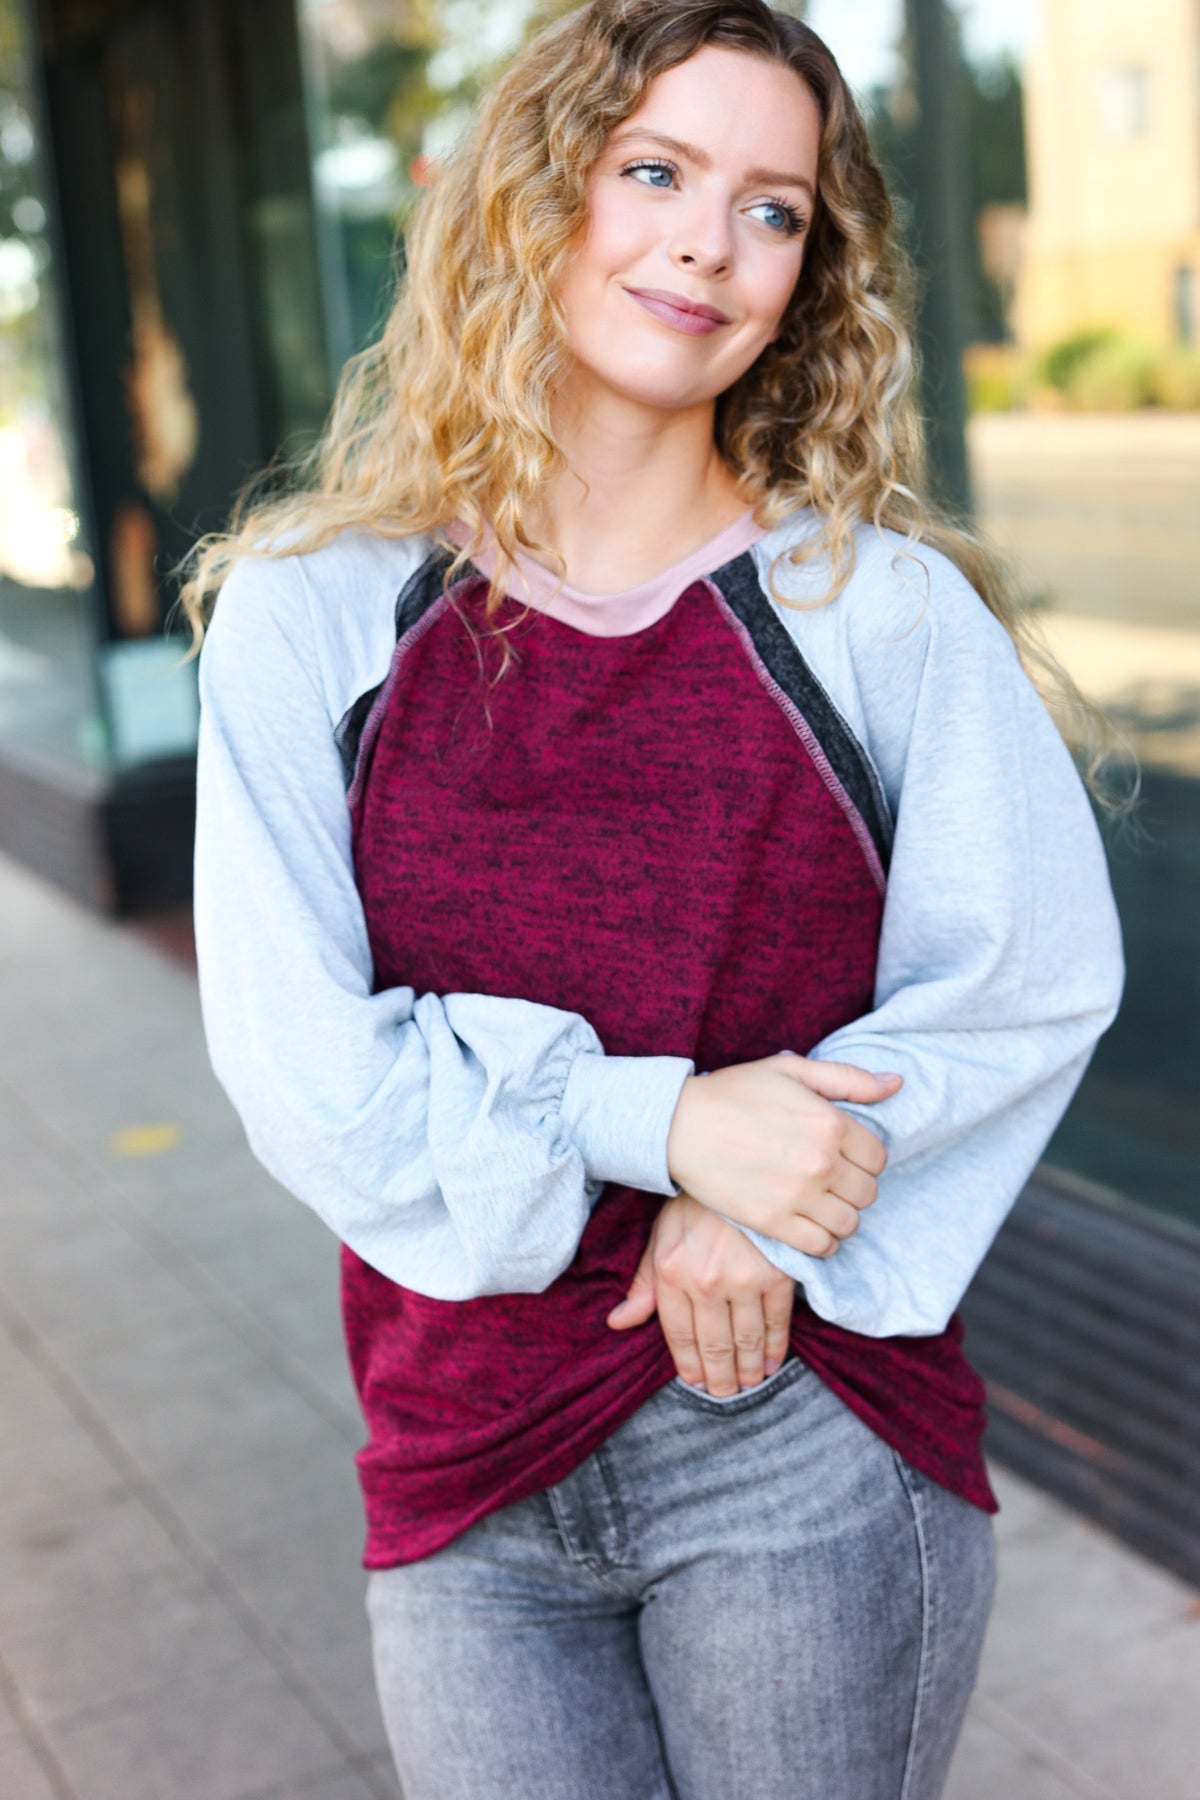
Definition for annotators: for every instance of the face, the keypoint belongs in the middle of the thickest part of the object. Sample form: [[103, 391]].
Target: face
[[698, 213]]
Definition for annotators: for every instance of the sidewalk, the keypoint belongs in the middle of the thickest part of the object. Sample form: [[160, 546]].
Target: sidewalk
[[180, 1597]]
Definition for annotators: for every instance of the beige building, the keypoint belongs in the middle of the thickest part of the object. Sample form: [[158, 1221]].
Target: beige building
[[1112, 109]]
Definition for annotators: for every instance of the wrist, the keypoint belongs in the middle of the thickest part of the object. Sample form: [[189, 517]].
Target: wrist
[[682, 1130], [616, 1111]]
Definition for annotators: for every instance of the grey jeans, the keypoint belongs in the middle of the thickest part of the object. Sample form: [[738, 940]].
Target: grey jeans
[[740, 1599]]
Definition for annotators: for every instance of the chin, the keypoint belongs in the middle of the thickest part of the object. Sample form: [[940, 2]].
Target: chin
[[665, 396], [665, 389]]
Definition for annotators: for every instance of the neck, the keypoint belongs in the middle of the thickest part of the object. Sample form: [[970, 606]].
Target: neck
[[642, 488]]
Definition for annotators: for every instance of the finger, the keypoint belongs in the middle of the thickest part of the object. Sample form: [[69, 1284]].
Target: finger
[[808, 1237], [679, 1328], [777, 1322], [862, 1147], [640, 1302], [839, 1081], [852, 1185], [714, 1332], [830, 1213], [749, 1339]]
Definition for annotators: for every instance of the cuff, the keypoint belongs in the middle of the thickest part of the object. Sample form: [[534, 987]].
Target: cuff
[[617, 1111]]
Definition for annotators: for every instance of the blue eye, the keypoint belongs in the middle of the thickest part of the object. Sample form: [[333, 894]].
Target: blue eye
[[648, 173], [785, 220]]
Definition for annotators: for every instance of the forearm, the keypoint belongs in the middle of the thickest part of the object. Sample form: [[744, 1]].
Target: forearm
[[456, 1142]]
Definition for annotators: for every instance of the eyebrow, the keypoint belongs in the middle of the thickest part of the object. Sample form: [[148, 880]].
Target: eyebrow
[[693, 153]]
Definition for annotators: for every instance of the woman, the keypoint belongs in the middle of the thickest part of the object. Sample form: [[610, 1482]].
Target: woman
[[607, 722]]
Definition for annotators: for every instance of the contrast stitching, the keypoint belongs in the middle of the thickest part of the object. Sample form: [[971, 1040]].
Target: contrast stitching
[[596, 1565], [371, 725], [805, 733], [348, 731], [925, 1661], [767, 621], [620, 1526], [870, 772]]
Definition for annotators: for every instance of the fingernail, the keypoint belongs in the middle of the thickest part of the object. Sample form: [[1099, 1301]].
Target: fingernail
[[772, 1363], [891, 1075]]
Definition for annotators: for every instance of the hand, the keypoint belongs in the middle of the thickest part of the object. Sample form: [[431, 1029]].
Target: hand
[[724, 1309], [763, 1144]]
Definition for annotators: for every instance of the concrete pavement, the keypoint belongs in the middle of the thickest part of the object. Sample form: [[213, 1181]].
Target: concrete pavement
[[180, 1597], [1099, 510]]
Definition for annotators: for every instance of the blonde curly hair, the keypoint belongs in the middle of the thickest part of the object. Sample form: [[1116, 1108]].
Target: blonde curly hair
[[447, 416]]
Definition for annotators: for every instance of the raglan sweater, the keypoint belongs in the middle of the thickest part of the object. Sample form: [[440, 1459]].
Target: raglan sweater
[[447, 1027]]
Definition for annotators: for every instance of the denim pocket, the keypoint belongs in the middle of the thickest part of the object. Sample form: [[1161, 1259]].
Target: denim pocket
[[789, 1369]]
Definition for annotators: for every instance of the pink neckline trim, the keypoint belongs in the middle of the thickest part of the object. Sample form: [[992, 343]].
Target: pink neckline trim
[[633, 609]]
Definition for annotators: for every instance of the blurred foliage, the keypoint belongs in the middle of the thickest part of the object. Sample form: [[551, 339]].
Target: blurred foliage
[[1175, 378], [1099, 370], [1114, 377], [1063, 360], [1000, 378], [388, 88]]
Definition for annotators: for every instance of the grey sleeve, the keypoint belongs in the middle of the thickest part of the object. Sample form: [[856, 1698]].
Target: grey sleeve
[[1000, 962], [458, 1142]]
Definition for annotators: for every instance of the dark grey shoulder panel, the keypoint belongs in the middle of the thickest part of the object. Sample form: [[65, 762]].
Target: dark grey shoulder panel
[[348, 732], [415, 598], [779, 654], [420, 591]]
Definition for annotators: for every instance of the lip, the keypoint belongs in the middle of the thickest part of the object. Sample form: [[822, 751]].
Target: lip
[[676, 310]]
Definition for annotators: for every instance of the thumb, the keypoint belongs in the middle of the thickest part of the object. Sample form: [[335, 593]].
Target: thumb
[[640, 1303], [838, 1081]]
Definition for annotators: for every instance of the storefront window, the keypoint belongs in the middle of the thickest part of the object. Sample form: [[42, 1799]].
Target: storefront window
[[389, 89], [48, 699], [1090, 476], [1082, 143], [1080, 160]]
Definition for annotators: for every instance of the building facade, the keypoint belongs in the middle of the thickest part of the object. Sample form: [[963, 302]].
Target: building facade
[[1113, 140]]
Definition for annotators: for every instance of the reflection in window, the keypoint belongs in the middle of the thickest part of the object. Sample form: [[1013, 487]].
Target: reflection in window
[[1085, 439], [390, 88], [1085, 452], [46, 684]]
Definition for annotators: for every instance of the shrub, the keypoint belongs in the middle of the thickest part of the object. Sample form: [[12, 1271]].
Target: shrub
[[1115, 377], [1060, 362], [1175, 379], [999, 377], [1097, 370]]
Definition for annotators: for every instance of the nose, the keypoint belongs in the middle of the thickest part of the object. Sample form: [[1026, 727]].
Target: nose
[[703, 242]]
